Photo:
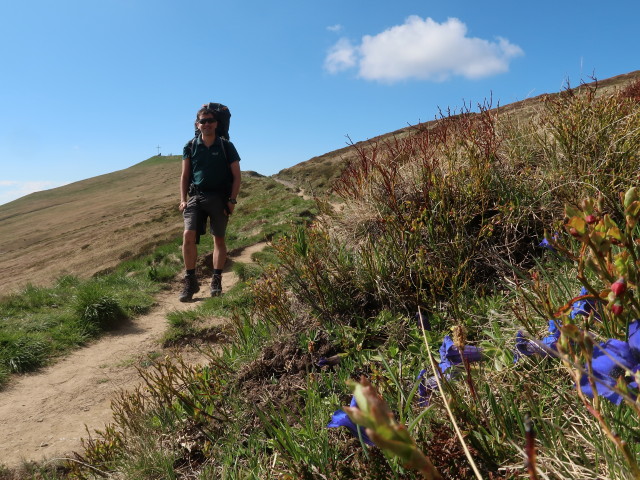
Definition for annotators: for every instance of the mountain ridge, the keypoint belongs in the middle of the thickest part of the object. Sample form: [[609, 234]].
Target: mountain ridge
[[317, 173]]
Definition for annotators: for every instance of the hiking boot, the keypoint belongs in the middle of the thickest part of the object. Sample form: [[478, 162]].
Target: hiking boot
[[216, 285], [190, 287]]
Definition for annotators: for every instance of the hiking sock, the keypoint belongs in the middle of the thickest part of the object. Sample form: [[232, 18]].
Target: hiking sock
[[217, 271], [191, 272]]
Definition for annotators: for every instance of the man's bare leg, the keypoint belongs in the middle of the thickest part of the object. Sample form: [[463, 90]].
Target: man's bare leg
[[189, 249], [219, 259]]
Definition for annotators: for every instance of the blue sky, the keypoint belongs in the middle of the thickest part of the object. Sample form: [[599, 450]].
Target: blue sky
[[89, 87]]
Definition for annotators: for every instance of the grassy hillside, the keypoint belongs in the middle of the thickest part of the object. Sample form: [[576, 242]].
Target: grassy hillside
[[89, 226], [473, 301], [93, 225]]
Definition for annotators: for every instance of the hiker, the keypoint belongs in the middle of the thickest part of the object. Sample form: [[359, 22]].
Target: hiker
[[211, 179]]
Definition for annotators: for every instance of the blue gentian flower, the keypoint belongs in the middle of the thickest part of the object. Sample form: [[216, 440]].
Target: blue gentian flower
[[341, 419], [322, 362], [427, 386], [610, 360], [450, 355], [583, 307], [547, 346], [634, 338], [545, 244], [423, 321], [330, 361]]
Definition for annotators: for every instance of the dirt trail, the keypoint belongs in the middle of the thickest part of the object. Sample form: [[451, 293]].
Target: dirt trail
[[338, 207], [43, 415], [293, 187]]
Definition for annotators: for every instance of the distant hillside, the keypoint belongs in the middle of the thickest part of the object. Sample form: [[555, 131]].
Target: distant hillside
[[89, 226], [318, 173]]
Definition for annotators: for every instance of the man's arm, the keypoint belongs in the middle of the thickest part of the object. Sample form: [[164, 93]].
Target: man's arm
[[185, 177], [235, 186]]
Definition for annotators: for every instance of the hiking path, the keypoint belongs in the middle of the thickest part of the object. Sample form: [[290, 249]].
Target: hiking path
[[44, 415]]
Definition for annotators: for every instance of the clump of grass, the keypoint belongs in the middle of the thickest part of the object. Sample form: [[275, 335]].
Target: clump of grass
[[587, 144], [97, 309], [246, 272], [41, 323], [22, 354], [426, 218]]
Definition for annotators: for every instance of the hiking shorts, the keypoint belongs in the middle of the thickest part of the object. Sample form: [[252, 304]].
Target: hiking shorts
[[199, 207]]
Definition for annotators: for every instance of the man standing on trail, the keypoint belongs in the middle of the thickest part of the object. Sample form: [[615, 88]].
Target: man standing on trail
[[211, 179]]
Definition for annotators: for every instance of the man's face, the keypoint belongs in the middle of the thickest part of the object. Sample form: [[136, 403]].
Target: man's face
[[207, 123]]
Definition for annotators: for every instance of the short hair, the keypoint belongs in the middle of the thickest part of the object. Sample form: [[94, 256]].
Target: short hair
[[206, 110]]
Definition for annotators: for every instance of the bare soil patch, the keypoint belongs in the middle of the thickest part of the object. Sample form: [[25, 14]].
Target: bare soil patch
[[44, 415]]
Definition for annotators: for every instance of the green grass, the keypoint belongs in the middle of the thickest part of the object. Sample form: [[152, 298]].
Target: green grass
[[41, 324]]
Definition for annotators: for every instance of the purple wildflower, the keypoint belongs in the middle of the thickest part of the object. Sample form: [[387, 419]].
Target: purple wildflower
[[427, 386], [423, 321], [547, 346], [546, 244], [611, 360], [341, 419], [450, 355], [330, 361], [583, 307], [322, 362]]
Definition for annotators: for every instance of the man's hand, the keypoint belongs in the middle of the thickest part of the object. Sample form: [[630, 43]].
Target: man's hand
[[182, 206]]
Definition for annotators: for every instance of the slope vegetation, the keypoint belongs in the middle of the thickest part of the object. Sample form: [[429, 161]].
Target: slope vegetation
[[319, 173]]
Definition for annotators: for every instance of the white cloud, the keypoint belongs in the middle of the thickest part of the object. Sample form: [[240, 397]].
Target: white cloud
[[335, 28], [341, 56], [11, 190], [423, 50]]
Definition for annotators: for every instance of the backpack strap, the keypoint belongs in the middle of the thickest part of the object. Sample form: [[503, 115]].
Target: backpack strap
[[192, 188], [224, 149], [194, 143]]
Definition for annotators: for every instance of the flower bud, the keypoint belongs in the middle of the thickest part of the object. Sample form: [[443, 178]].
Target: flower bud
[[630, 196], [619, 287], [590, 219], [617, 309], [373, 413]]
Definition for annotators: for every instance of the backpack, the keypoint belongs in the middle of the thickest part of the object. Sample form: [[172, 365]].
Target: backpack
[[223, 115]]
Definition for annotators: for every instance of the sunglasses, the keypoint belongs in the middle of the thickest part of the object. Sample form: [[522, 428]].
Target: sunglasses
[[207, 120]]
